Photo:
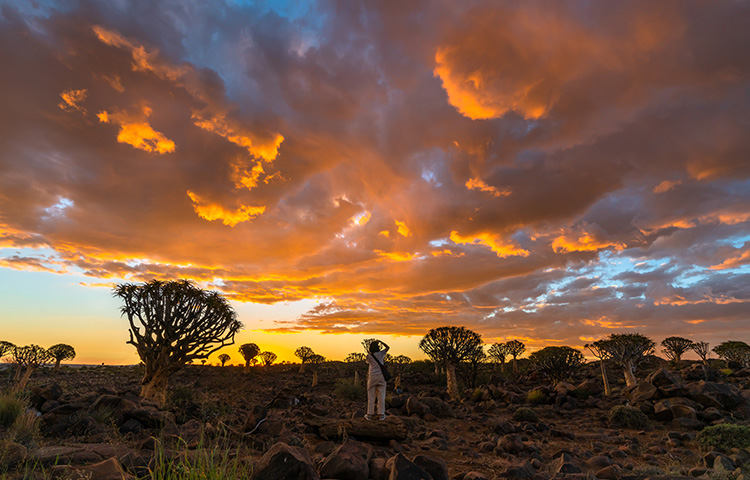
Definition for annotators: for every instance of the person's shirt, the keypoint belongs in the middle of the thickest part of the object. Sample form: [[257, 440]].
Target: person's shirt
[[374, 367]]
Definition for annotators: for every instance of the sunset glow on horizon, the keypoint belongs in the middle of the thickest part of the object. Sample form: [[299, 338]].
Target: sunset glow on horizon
[[552, 172]]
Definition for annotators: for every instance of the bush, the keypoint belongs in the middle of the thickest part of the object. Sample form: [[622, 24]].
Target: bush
[[725, 436], [347, 389], [628, 417], [525, 414], [11, 408], [536, 397]]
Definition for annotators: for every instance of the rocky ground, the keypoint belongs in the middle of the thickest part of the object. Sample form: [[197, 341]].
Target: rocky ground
[[270, 423]]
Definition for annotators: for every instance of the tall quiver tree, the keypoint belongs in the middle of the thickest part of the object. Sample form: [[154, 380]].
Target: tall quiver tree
[[305, 354], [515, 348], [173, 323], [597, 350], [674, 347], [701, 349], [60, 352], [557, 363], [28, 359], [628, 350], [249, 351], [451, 346], [497, 353]]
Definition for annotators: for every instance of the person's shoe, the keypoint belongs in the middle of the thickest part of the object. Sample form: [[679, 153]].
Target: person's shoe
[[368, 417], [382, 417]]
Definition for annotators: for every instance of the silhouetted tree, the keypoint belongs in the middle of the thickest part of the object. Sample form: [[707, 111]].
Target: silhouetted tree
[[399, 364], [172, 323], [701, 349], [248, 352], [557, 363], [733, 351], [267, 358], [355, 358], [450, 346], [472, 366], [28, 359], [61, 352], [628, 350], [674, 347], [6, 348], [305, 354], [224, 358], [514, 349], [597, 350], [497, 353]]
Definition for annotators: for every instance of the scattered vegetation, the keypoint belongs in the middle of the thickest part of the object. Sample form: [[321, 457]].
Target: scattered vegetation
[[628, 417], [525, 414], [537, 397], [12, 405], [725, 436], [350, 390]]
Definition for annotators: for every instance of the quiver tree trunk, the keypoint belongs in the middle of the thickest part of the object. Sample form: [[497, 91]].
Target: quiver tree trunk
[[315, 379], [397, 382], [605, 379], [627, 369], [24, 378], [450, 371], [57, 364], [302, 367], [154, 384], [356, 377]]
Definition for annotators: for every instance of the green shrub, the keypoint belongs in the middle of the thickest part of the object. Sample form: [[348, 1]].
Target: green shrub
[[725, 436], [11, 407], [347, 389], [726, 371], [628, 417], [536, 397], [525, 414]]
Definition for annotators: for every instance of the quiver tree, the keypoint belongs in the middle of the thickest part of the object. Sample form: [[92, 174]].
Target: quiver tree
[[497, 353], [674, 347], [557, 363], [597, 350], [733, 351], [473, 364], [28, 359], [267, 358], [701, 349], [399, 364], [628, 350], [61, 352], [173, 323], [6, 348], [514, 349], [305, 354], [356, 360], [249, 351], [224, 358], [450, 346]]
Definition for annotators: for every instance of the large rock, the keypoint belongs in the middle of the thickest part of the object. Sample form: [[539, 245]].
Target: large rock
[[392, 428], [401, 468], [283, 462], [718, 395], [350, 461], [415, 407], [109, 469], [113, 405], [663, 378], [435, 466], [150, 417], [438, 407], [253, 419], [643, 391]]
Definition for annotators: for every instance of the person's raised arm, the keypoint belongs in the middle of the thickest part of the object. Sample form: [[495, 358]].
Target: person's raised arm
[[385, 346]]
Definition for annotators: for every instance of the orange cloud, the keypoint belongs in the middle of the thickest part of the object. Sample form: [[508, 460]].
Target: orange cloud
[[213, 211], [495, 242], [478, 184], [397, 256], [583, 242], [666, 186], [136, 132], [403, 229], [267, 149], [72, 99], [733, 262]]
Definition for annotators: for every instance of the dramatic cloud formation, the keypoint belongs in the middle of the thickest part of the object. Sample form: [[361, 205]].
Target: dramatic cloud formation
[[548, 171]]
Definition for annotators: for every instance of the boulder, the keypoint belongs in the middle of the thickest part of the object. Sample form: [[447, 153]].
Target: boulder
[[718, 395], [511, 444], [256, 415], [642, 392], [435, 466], [663, 411], [113, 405], [438, 407], [282, 462], [401, 468], [663, 378], [150, 417], [564, 464], [350, 461], [415, 407], [523, 471], [683, 411]]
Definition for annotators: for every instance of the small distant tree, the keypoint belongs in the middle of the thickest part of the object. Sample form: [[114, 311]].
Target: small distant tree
[[701, 349], [733, 351], [356, 357], [628, 350], [450, 346], [203, 361], [249, 352], [597, 350], [224, 358], [515, 348], [305, 354], [61, 352], [267, 358], [399, 364], [497, 353], [172, 323], [28, 359], [557, 363], [6, 348], [473, 365], [674, 347]]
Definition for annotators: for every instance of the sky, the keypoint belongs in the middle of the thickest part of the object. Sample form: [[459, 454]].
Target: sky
[[552, 172]]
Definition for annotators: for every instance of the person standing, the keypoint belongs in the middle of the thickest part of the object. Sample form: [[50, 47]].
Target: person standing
[[375, 380]]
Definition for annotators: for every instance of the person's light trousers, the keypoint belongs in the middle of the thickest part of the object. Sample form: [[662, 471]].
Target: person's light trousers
[[376, 390]]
